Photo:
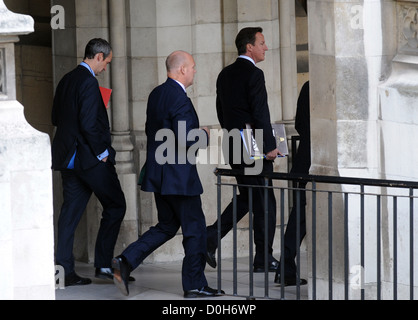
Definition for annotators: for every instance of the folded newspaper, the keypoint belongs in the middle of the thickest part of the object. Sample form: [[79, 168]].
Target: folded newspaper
[[252, 148]]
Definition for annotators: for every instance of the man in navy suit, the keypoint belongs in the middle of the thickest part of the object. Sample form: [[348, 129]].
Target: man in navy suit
[[82, 152], [242, 99], [172, 129], [301, 164]]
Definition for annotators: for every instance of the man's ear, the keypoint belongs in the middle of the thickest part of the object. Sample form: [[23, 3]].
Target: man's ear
[[99, 56]]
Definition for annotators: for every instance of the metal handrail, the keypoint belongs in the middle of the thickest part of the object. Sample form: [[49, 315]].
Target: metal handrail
[[314, 179], [323, 179]]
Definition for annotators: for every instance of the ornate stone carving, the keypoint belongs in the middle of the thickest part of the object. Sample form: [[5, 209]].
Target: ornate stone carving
[[14, 23], [408, 27]]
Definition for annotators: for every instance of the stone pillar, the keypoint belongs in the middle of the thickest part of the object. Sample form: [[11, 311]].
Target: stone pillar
[[121, 122], [156, 28], [351, 46], [397, 130], [26, 231], [288, 65]]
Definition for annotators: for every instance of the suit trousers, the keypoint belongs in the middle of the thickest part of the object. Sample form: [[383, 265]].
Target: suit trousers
[[242, 201], [291, 241], [78, 186], [175, 211]]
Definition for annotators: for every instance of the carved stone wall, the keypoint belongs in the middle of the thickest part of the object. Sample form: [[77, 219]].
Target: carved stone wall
[[408, 27], [364, 117], [398, 129]]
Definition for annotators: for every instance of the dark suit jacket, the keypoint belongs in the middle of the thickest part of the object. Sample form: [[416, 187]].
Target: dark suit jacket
[[302, 160], [168, 105], [242, 98], [82, 122]]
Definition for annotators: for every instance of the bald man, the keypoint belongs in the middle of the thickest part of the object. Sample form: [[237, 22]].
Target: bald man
[[171, 174]]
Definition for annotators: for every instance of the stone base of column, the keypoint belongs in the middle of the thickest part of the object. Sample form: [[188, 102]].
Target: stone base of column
[[26, 231]]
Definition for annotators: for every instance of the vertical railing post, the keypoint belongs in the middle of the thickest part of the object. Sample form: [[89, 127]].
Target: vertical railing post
[[411, 244], [266, 212], [282, 231], [298, 243], [250, 238], [378, 255], [234, 239], [330, 245], [395, 249], [346, 259], [219, 271], [362, 262], [313, 240]]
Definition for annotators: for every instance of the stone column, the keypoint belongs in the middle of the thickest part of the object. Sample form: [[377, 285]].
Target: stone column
[[398, 129], [288, 65], [26, 229], [351, 46], [121, 129]]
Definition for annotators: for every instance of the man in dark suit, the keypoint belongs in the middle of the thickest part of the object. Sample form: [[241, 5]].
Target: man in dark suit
[[301, 165], [82, 152], [172, 129], [242, 99]]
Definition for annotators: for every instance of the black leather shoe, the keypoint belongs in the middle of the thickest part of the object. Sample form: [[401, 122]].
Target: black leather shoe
[[289, 281], [272, 267], [107, 273], [204, 292], [74, 279], [210, 258], [121, 271]]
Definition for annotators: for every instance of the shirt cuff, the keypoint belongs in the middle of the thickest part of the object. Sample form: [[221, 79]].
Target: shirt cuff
[[103, 155]]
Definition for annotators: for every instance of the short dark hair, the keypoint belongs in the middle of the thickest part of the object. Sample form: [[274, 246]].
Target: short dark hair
[[246, 36], [95, 46]]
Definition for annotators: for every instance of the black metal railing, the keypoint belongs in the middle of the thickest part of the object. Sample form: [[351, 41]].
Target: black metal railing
[[342, 199]]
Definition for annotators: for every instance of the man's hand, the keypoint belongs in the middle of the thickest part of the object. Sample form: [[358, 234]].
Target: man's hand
[[105, 159], [272, 155]]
